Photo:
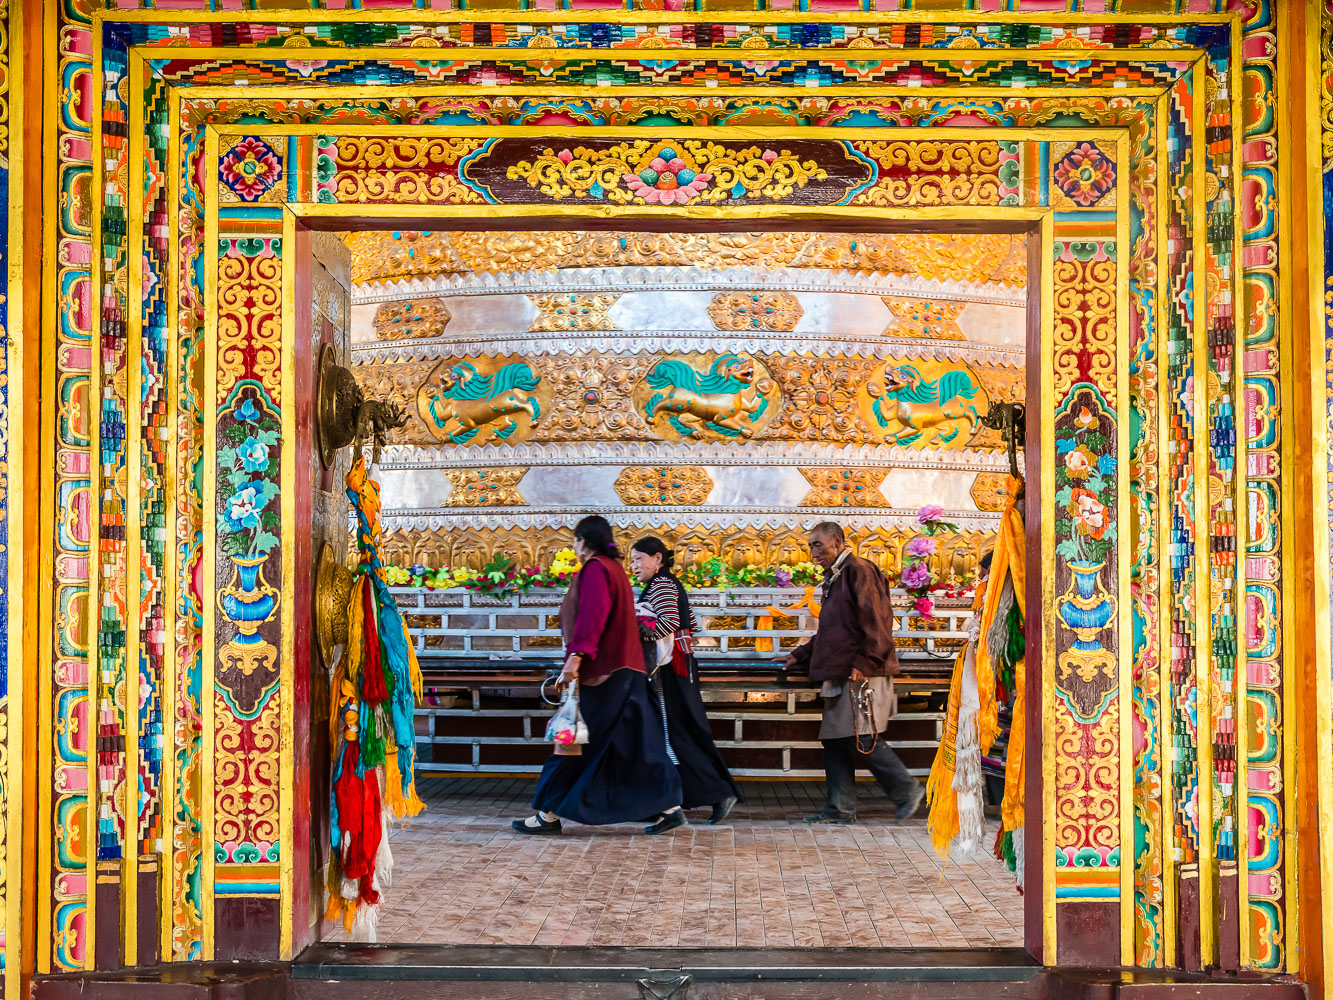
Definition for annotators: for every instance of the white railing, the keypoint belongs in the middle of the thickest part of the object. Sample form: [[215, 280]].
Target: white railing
[[467, 624]]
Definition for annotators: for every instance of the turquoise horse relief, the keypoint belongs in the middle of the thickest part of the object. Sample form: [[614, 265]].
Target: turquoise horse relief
[[459, 403], [726, 401], [910, 406]]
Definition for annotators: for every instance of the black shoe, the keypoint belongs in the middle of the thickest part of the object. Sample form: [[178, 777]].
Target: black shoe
[[827, 816], [542, 829], [722, 810], [908, 809], [669, 821]]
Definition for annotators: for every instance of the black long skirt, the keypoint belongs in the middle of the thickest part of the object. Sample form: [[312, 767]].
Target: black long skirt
[[704, 778], [623, 774]]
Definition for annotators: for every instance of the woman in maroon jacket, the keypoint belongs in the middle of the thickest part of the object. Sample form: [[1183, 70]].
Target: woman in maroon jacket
[[623, 773]]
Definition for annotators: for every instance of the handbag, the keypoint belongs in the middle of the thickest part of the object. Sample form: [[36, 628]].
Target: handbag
[[566, 728]]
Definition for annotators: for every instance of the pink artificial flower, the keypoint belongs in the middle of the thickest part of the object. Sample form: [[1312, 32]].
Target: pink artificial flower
[[930, 513], [925, 606], [921, 547], [916, 576]]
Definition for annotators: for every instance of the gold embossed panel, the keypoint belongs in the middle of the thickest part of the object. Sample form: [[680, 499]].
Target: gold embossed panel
[[485, 487], [777, 312], [844, 488], [927, 403], [411, 320], [707, 397], [486, 400], [652, 486], [561, 311], [978, 259], [924, 318]]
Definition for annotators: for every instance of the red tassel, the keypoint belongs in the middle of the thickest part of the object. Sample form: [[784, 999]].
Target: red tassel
[[680, 660], [373, 687], [360, 819]]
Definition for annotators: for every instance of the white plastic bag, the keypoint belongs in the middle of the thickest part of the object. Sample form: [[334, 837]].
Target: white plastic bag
[[566, 728]]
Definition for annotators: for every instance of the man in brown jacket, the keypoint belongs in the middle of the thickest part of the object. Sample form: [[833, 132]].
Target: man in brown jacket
[[852, 658]]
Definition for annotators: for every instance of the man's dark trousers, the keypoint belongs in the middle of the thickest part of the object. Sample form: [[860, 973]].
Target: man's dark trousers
[[841, 759]]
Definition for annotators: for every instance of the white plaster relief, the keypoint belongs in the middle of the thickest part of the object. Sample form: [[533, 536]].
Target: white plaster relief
[[643, 278], [710, 455]]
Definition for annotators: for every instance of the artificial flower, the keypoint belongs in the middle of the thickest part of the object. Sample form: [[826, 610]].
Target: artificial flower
[[916, 576], [924, 606], [930, 513], [921, 547]]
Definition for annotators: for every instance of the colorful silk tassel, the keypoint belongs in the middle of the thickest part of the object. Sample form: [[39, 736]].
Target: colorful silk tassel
[[991, 661], [375, 688]]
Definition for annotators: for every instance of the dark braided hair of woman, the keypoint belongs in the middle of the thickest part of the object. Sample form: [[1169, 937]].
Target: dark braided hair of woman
[[651, 545], [594, 531]]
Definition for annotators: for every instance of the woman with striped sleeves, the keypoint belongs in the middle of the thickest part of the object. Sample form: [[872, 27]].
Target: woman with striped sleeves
[[674, 680]]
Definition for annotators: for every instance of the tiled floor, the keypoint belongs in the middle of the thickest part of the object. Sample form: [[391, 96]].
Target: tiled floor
[[763, 879]]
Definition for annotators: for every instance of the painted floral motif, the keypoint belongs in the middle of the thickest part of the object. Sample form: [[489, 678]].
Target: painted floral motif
[[1084, 478], [667, 173], [1085, 175], [668, 179], [245, 458], [250, 168]]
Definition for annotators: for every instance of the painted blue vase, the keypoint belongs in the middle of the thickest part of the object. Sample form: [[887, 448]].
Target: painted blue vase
[[248, 601], [1087, 608]]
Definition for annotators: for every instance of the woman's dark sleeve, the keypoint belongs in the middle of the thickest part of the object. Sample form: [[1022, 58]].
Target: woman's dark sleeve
[[594, 610]]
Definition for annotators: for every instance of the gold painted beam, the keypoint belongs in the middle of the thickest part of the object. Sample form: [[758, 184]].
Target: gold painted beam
[[207, 692], [1240, 466], [287, 762], [620, 17], [1046, 449], [1170, 893], [45, 650], [94, 606], [18, 702], [1125, 609]]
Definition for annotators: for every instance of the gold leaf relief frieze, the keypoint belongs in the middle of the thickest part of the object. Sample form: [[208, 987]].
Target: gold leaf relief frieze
[[977, 258], [819, 399], [957, 555], [691, 397], [990, 491]]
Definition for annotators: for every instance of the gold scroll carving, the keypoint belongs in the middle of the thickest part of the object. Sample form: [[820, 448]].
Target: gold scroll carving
[[977, 258], [485, 488], [844, 488], [561, 311], [990, 491], [924, 318], [415, 320], [776, 312], [657, 486]]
